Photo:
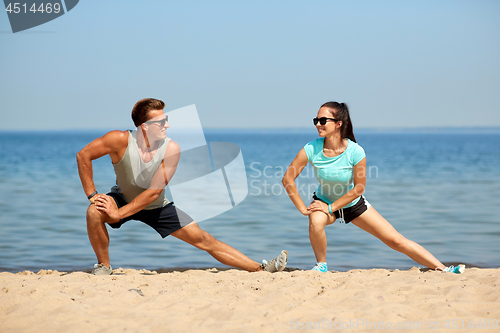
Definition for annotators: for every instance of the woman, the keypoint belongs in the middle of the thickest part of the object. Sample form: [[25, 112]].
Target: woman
[[340, 166]]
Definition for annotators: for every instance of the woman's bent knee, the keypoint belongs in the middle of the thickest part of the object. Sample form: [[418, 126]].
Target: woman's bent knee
[[318, 220]]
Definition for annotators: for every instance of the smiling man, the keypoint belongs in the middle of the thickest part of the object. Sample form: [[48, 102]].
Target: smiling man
[[145, 160]]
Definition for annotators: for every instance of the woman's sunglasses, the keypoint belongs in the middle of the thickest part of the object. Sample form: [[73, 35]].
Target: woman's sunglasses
[[323, 120], [161, 122]]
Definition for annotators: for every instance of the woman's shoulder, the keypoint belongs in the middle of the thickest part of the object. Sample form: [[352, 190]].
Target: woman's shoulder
[[315, 144], [356, 152], [353, 145], [313, 147]]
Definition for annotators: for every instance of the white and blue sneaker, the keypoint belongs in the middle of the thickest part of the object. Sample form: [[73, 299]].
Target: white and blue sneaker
[[452, 269], [320, 267]]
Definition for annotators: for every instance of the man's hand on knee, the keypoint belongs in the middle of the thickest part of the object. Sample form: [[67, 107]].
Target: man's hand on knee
[[107, 205]]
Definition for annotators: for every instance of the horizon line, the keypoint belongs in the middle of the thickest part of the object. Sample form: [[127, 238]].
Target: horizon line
[[400, 129]]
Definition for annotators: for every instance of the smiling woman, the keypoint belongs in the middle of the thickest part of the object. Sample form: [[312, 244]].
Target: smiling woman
[[340, 167]]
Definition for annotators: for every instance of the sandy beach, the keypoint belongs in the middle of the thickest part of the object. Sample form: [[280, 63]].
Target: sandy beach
[[237, 301]]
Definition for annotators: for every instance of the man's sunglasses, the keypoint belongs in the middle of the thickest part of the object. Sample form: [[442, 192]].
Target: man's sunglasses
[[161, 122], [323, 120]]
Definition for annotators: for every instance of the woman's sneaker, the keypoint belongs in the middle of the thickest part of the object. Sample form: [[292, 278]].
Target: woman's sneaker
[[100, 269], [277, 264], [452, 269], [320, 267]]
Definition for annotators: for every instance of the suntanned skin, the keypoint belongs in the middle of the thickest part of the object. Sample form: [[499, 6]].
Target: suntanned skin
[[370, 221], [103, 209]]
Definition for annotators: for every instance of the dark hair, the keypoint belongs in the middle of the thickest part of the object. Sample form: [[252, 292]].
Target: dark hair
[[342, 113], [141, 109]]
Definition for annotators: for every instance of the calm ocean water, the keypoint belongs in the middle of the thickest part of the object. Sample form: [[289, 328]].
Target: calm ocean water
[[441, 190]]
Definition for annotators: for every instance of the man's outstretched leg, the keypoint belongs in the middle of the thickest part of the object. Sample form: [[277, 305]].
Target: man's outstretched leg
[[224, 253]]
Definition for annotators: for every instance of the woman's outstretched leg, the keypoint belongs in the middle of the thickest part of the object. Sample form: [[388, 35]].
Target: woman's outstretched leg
[[371, 221]]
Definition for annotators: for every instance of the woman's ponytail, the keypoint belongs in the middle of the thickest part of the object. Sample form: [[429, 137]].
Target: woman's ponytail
[[347, 130]]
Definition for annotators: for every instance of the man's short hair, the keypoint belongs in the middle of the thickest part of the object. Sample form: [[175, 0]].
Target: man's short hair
[[142, 108]]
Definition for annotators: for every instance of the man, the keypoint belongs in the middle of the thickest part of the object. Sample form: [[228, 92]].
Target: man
[[145, 160]]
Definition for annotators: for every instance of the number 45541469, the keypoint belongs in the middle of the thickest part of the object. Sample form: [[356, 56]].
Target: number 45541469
[[48, 8]]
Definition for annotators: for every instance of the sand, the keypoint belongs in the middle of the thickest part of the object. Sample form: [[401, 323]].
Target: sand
[[238, 301]]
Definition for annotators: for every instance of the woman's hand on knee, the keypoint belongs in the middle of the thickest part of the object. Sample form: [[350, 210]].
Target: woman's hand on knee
[[318, 206], [306, 212]]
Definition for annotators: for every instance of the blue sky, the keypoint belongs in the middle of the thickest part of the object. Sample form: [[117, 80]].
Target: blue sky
[[254, 64]]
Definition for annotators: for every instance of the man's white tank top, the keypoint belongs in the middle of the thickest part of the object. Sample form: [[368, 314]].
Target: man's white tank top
[[133, 175]]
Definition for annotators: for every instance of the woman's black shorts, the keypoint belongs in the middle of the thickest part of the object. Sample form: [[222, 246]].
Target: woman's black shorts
[[352, 212]]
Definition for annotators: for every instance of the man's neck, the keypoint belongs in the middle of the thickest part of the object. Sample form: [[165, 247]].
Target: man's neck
[[147, 147]]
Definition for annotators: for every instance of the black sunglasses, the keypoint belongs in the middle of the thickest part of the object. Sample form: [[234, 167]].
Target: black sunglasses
[[323, 120], [161, 122]]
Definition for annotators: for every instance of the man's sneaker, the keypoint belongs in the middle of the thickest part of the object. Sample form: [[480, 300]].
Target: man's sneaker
[[452, 269], [277, 264], [320, 267], [100, 269]]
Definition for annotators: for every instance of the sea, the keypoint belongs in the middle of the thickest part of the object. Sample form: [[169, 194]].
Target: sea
[[440, 189]]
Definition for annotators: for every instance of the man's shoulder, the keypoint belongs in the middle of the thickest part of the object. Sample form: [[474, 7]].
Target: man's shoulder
[[172, 148], [172, 145], [118, 134], [117, 137]]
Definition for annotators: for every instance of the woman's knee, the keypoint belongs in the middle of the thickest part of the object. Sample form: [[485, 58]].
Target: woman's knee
[[317, 221]]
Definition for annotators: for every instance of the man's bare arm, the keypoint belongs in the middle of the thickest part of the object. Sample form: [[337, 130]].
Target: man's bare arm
[[113, 143], [168, 166]]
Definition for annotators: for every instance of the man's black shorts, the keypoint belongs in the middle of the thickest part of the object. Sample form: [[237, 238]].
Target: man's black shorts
[[164, 220], [352, 212]]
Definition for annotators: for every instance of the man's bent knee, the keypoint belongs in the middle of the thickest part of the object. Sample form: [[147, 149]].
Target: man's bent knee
[[94, 215]]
